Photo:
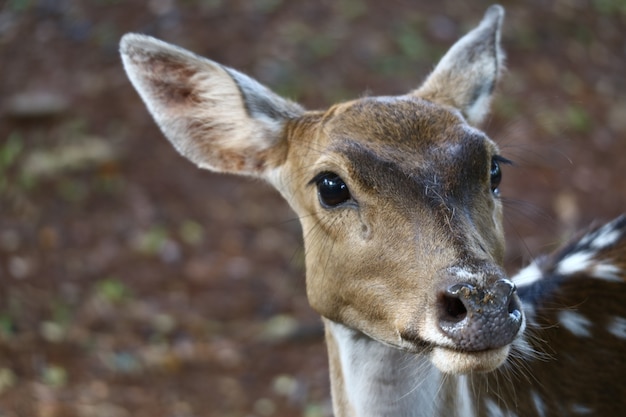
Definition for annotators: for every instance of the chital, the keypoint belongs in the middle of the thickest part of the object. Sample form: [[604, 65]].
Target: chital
[[402, 222]]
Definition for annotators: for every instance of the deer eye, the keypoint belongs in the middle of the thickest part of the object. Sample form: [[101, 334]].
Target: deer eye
[[496, 175], [496, 172], [331, 190]]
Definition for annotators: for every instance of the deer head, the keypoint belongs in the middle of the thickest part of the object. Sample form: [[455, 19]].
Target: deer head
[[397, 196]]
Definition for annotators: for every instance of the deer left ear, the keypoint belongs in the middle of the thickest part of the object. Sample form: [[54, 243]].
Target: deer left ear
[[217, 117], [466, 76]]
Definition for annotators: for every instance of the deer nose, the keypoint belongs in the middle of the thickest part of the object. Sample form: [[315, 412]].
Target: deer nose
[[479, 319]]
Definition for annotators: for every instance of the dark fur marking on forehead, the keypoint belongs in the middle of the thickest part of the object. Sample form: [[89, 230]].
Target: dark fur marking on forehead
[[454, 168], [413, 133], [392, 133]]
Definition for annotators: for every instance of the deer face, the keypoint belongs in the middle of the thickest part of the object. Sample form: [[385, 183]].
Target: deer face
[[397, 195], [409, 189]]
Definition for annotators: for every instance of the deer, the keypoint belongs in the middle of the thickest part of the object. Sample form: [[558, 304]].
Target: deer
[[399, 203]]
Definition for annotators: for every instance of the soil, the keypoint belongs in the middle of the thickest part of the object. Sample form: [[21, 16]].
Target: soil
[[132, 283]]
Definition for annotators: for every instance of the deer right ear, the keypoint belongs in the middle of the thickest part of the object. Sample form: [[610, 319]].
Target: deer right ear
[[215, 116], [467, 74]]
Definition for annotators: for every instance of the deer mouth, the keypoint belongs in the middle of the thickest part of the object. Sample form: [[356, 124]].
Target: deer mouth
[[451, 358], [473, 330], [475, 326], [454, 361]]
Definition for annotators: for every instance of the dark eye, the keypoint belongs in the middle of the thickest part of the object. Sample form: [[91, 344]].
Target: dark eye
[[496, 175], [496, 172], [331, 190]]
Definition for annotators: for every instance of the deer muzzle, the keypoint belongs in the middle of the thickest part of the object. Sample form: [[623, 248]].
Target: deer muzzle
[[478, 319]]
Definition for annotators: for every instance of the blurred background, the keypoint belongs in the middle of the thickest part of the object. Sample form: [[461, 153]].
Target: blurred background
[[134, 284]]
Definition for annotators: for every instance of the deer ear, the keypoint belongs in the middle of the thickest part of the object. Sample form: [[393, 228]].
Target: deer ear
[[217, 117], [467, 74]]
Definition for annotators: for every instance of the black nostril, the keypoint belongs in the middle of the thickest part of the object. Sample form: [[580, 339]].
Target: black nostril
[[512, 305], [454, 308], [515, 308], [506, 290]]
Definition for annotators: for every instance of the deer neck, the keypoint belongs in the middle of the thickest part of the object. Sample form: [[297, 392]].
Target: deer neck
[[371, 379]]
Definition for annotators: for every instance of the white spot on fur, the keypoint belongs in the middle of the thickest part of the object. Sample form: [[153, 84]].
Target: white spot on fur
[[576, 323], [527, 276], [605, 236], [607, 272], [538, 403], [574, 263], [617, 327]]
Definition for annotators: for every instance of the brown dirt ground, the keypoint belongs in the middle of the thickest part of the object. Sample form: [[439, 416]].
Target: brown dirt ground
[[132, 283]]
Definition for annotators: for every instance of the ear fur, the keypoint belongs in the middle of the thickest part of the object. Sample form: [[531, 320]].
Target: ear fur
[[467, 74], [215, 116]]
